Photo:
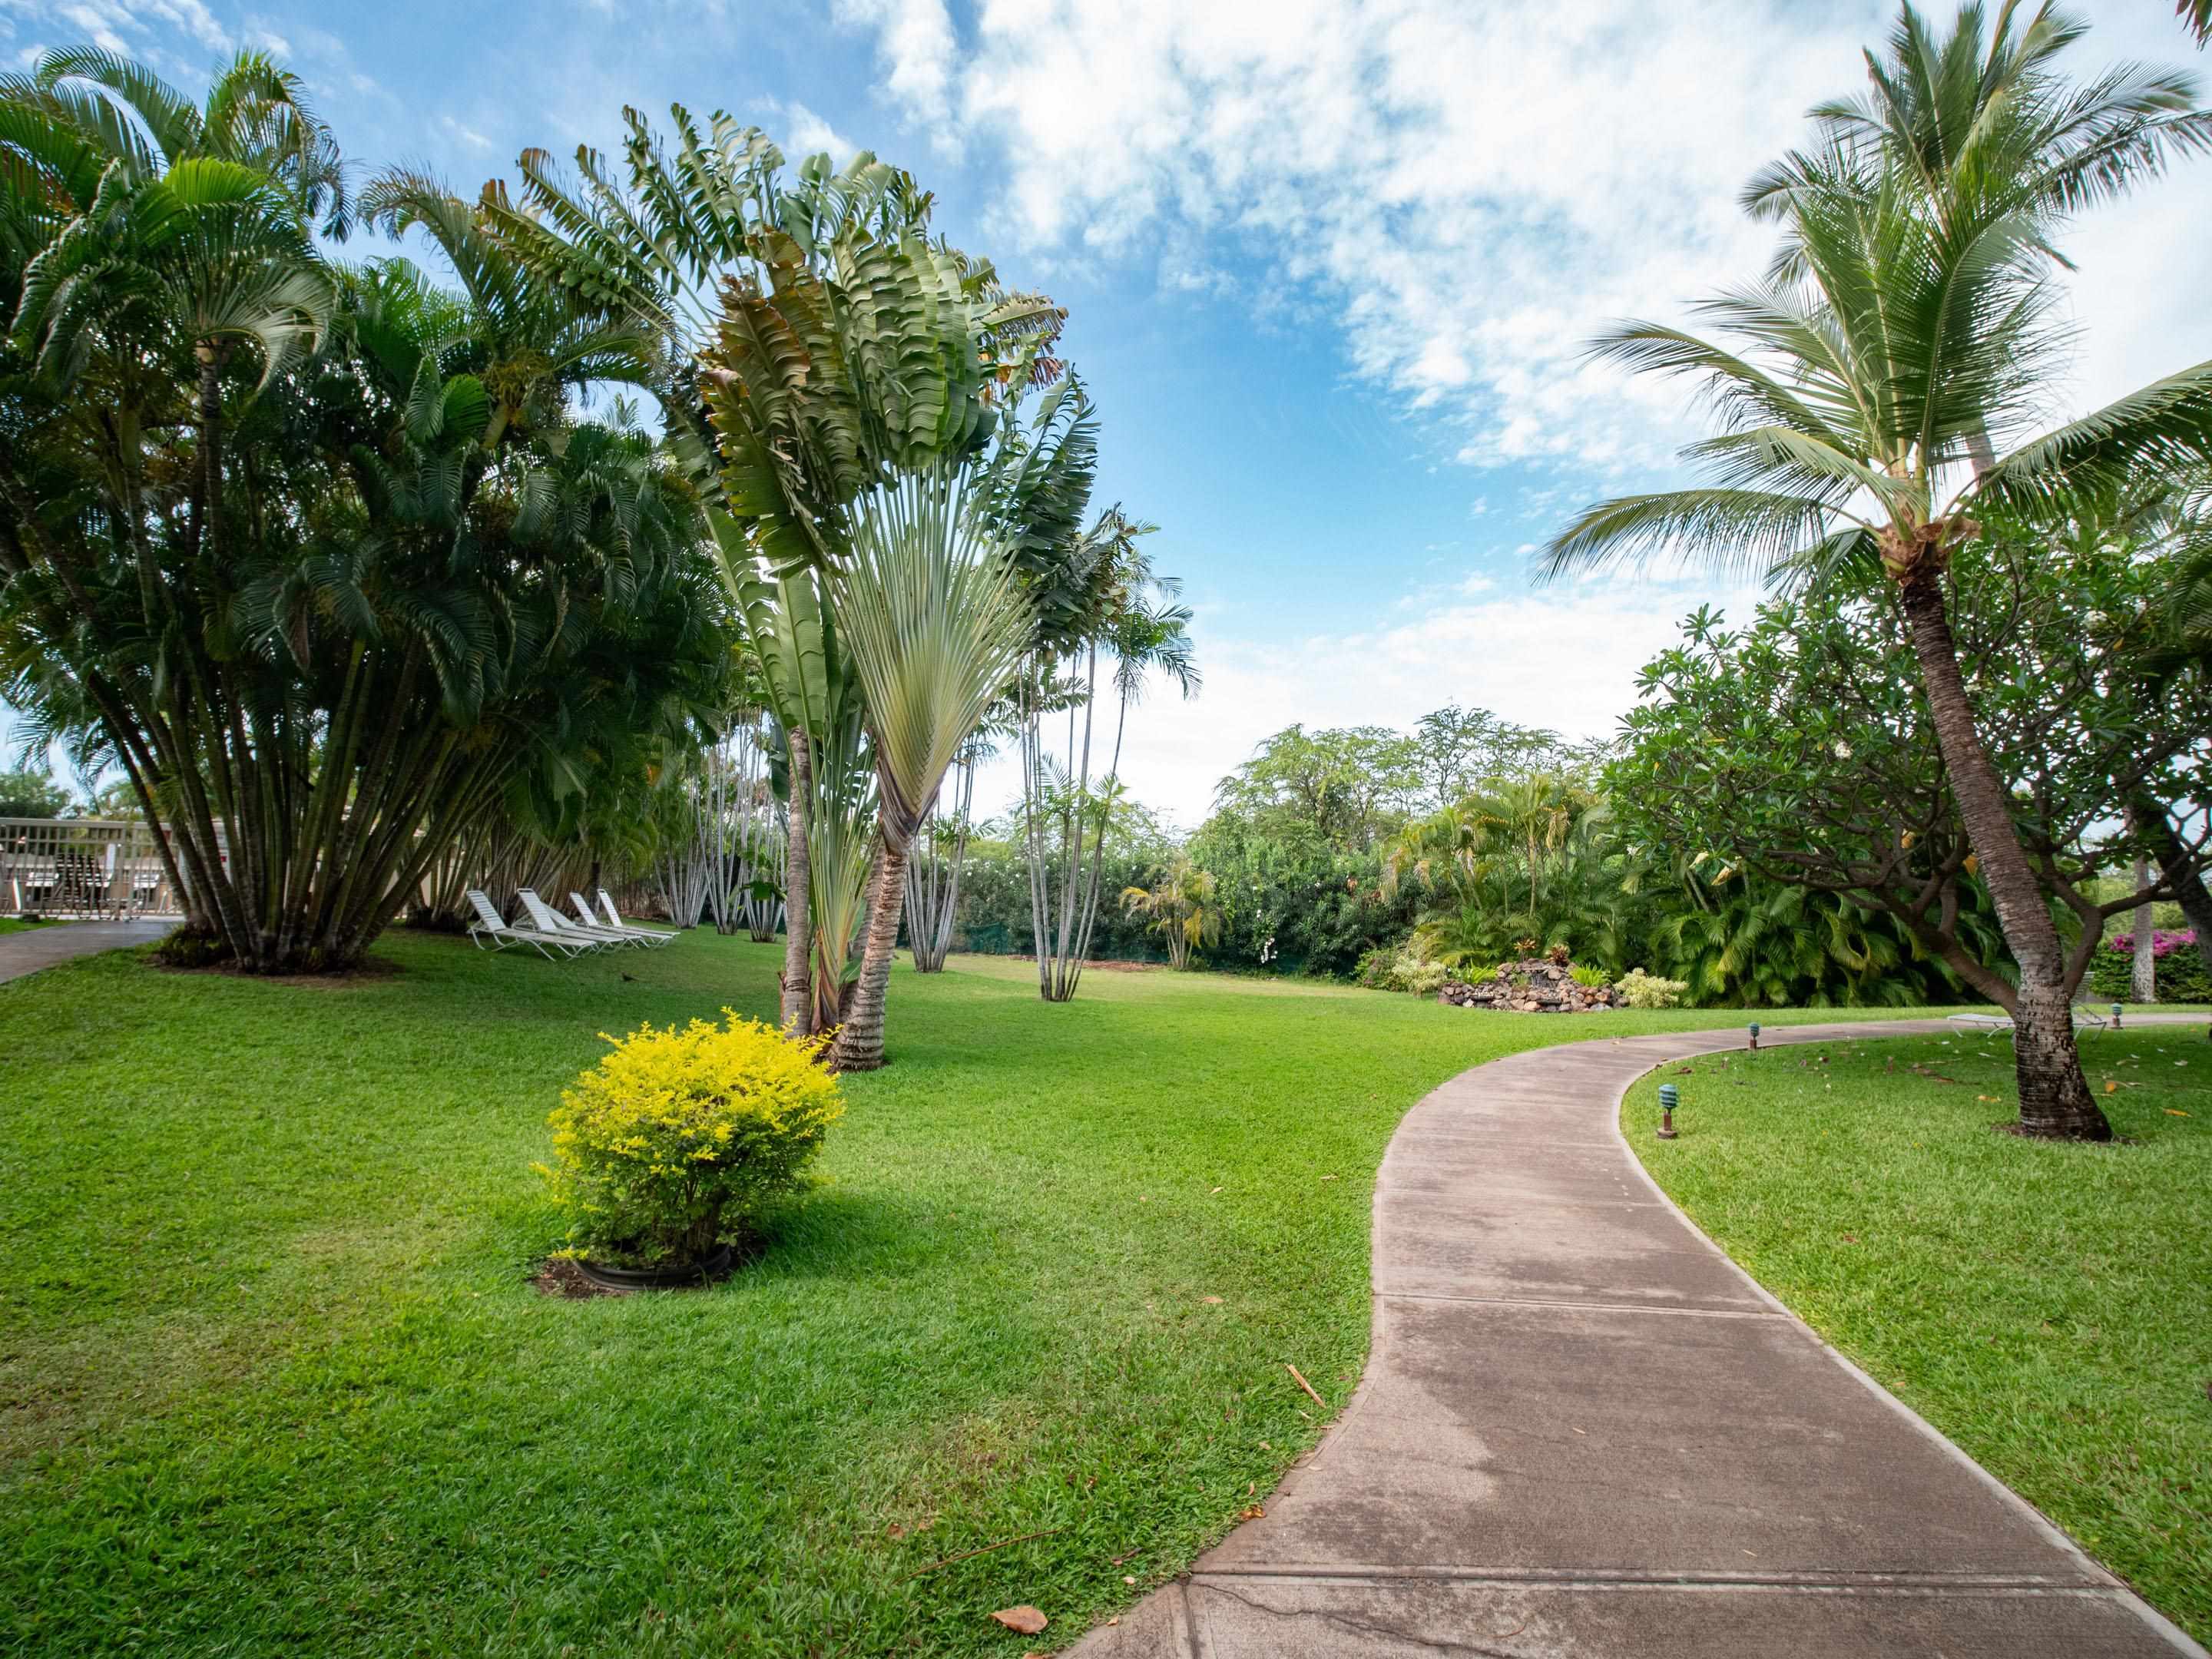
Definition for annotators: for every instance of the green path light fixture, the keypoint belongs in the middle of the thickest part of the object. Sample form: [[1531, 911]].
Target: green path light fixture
[[1670, 1098], [2118, 1010], [1755, 1036]]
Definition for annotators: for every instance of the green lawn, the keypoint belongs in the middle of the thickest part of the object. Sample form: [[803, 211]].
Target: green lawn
[[2048, 1307], [18, 925], [276, 1379]]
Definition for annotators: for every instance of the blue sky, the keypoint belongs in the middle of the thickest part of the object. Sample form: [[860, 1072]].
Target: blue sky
[[1329, 265]]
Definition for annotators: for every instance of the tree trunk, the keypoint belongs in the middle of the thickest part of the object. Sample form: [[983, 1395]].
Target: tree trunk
[[2142, 971], [2054, 1096], [860, 1045], [798, 944], [2180, 872]]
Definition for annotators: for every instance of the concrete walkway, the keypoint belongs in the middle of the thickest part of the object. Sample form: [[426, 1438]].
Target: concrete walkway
[[1584, 1431], [42, 947]]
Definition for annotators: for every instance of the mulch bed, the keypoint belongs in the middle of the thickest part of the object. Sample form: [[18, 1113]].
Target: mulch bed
[[564, 1279]]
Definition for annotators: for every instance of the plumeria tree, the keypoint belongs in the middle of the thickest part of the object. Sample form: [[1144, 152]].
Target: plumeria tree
[[1797, 751]]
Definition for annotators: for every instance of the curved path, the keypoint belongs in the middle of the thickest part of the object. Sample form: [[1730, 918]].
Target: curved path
[[42, 947], [1583, 1431]]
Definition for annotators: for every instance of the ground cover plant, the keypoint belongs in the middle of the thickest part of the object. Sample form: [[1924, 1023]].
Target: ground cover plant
[[2048, 1307], [276, 1378]]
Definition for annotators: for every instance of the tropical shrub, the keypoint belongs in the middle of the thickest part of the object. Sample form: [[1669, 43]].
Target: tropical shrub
[[1400, 968], [1596, 978], [1641, 990], [678, 1139], [2179, 963]]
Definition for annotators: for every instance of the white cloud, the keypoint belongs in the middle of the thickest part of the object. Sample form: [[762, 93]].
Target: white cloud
[[1468, 192], [130, 26], [1564, 659], [804, 133], [467, 135], [915, 45]]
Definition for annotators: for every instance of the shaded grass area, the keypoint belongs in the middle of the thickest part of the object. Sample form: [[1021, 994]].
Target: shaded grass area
[[21, 925], [2048, 1307], [272, 1377]]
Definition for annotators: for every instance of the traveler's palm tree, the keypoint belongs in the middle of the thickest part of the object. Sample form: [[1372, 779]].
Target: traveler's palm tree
[[1849, 399], [930, 612]]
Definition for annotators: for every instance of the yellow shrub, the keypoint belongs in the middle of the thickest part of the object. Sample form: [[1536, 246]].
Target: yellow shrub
[[677, 1139]]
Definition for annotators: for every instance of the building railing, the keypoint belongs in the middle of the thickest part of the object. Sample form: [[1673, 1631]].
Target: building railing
[[100, 867]]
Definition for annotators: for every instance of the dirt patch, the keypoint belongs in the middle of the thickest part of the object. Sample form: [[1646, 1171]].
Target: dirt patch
[[562, 1278]]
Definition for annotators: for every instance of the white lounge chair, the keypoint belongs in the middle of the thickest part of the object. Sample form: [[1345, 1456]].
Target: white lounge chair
[[614, 917], [487, 926], [546, 918], [2085, 1019], [647, 937]]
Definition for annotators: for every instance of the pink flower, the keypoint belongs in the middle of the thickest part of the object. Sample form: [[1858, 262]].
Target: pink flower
[[2162, 944]]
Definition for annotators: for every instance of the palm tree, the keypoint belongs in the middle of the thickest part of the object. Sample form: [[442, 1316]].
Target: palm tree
[[2197, 14], [1850, 400], [1104, 596], [1183, 909], [1983, 122], [935, 623], [1983, 116]]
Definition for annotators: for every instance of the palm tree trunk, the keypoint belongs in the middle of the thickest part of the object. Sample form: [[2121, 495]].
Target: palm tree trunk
[[860, 1045], [798, 944], [2054, 1096]]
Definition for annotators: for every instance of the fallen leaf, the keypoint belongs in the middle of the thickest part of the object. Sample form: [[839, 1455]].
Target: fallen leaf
[[1213, 1301], [1251, 1512], [1216, 1189], [2110, 1088], [1129, 1577], [895, 1530], [1851, 1238], [1264, 1446], [1028, 1621], [2170, 1112], [1328, 1177], [1992, 1098]]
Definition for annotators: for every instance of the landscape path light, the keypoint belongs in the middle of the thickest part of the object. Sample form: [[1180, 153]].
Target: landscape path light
[[1670, 1098], [1755, 1036]]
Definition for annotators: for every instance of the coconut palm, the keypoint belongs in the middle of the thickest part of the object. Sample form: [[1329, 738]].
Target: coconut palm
[[935, 622], [1983, 117], [1850, 397], [1183, 909]]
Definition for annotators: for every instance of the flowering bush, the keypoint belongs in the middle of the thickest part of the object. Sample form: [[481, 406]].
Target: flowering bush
[[1644, 990], [2181, 975], [677, 1139], [2162, 944]]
